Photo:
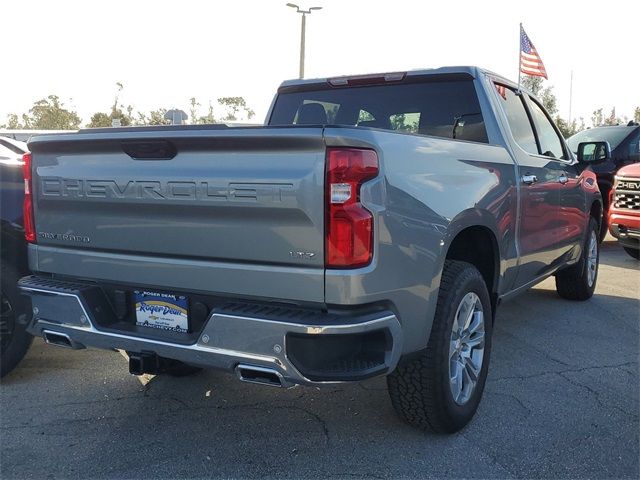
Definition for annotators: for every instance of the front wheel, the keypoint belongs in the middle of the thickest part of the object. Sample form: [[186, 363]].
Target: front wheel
[[440, 390], [578, 282], [634, 252]]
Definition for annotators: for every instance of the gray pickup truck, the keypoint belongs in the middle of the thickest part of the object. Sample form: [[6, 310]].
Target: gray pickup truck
[[371, 227]]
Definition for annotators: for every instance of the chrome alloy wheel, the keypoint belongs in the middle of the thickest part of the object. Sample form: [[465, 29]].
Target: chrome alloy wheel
[[466, 348], [592, 259]]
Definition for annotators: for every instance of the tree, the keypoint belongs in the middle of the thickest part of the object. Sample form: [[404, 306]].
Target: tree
[[234, 109], [598, 118], [101, 119], [209, 118], [154, 117], [536, 86], [235, 106], [13, 122], [568, 129], [193, 111], [636, 115], [46, 114], [533, 84]]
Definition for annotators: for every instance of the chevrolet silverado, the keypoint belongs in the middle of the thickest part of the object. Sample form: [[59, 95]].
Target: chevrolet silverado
[[371, 227]]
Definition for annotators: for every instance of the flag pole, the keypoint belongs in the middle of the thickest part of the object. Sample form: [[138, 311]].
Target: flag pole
[[570, 96], [519, 56]]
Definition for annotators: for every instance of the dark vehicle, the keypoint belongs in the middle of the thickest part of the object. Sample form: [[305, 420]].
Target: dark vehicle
[[16, 308], [624, 141]]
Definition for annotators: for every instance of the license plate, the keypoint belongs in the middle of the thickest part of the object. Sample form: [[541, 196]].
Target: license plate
[[162, 310]]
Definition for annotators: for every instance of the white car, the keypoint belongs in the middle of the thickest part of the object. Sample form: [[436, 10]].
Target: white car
[[11, 150]]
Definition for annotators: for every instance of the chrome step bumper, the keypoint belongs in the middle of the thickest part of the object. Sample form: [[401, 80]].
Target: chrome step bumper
[[233, 335]]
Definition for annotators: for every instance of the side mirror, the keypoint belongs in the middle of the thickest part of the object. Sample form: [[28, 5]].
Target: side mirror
[[593, 152]]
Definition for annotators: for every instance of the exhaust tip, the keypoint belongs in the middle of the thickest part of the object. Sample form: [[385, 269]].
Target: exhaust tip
[[259, 375], [58, 339]]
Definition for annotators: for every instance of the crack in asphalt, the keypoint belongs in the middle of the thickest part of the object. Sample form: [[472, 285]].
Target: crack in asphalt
[[534, 348], [569, 370], [596, 394], [513, 396]]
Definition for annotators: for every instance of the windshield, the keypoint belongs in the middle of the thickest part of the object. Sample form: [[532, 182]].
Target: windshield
[[13, 145], [444, 108], [614, 135]]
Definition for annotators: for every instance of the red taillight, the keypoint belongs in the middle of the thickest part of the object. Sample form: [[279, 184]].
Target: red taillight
[[349, 225], [27, 210]]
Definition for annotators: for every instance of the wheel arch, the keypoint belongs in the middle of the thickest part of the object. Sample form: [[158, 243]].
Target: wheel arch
[[472, 237]]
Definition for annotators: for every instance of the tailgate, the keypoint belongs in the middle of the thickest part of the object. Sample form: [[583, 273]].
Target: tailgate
[[251, 198]]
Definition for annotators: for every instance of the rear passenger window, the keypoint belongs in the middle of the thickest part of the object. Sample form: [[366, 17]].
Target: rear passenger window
[[550, 143], [518, 119]]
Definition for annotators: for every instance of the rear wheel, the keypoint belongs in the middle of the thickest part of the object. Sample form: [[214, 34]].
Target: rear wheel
[[578, 282], [634, 252], [14, 312], [440, 390]]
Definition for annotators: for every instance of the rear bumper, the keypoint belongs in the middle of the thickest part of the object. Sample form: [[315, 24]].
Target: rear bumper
[[302, 347]]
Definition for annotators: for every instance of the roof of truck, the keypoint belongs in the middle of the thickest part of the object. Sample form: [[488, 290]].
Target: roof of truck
[[470, 70]]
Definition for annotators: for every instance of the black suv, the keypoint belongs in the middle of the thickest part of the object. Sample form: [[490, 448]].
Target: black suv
[[625, 149]]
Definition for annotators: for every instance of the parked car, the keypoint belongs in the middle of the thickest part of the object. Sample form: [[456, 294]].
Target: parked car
[[11, 151], [24, 135], [625, 149], [371, 227], [624, 213], [15, 309]]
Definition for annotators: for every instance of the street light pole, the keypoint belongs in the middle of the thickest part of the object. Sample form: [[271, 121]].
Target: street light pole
[[303, 29]]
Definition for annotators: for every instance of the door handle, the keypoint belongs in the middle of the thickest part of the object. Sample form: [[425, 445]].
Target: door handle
[[563, 179], [529, 179]]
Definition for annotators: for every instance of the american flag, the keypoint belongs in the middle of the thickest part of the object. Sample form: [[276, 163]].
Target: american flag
[[530, 61]]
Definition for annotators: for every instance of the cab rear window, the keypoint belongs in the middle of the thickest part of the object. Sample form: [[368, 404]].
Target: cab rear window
[[447, 109]]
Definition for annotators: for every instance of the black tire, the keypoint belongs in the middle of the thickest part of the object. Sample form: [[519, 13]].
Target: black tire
[[634, 252], [574, 283], [420, 387], [604, 229], [15, 313]]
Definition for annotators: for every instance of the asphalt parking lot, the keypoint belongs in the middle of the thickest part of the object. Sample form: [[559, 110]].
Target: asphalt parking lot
[[561, 401]]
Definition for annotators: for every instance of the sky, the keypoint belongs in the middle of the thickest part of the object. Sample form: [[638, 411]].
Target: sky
[[165, 52]]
